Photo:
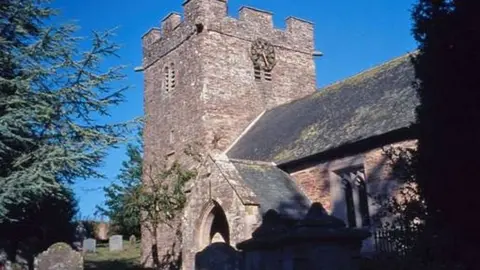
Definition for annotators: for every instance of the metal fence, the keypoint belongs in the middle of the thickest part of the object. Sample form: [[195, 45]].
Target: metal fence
[[411, 249], [396, 241]]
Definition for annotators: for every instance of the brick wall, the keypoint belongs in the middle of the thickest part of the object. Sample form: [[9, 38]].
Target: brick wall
[[315, 183], [319, 182]]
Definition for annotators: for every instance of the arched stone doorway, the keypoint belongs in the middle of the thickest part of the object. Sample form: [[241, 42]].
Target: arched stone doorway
[[214, 226]]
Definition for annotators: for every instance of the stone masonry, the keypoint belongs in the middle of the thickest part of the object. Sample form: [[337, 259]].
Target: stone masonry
[[200, 88], [206, 86]]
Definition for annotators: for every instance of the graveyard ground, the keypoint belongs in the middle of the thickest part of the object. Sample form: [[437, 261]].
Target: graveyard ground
[[103, 259]]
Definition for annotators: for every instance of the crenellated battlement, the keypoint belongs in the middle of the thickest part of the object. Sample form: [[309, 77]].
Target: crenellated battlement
[[211, 15], [170, 22], [152, 35], [298, 25], [202, 11], [256, 16]]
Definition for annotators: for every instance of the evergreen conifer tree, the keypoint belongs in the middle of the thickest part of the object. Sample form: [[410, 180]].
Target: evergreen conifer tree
[[51, 96], [120, 206], [446, 68]]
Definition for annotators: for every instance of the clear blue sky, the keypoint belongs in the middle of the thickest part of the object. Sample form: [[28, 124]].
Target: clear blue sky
[[353, 34]]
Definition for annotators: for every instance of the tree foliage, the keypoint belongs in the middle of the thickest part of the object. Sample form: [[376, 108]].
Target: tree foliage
[[120, 205], [34, 226], [52, 95], [149, 196], [162, 198], [448, 33], [403, 207]]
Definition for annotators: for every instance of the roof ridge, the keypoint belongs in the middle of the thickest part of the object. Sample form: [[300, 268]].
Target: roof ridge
[[376, 67], [322, 90], [252, 162]]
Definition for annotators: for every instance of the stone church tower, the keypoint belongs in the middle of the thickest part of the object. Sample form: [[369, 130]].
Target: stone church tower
[[207, 77]]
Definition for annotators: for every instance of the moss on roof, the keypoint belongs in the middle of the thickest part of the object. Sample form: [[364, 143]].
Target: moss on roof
[[374, 102], [274, 189]]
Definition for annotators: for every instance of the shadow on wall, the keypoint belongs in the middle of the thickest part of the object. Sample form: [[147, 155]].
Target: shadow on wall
[[294, 208], [218, 256], [171, 260], [285, 243]]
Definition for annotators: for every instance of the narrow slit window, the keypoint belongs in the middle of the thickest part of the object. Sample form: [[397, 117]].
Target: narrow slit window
[[350, 204], [363, 198], [166, 79], [172, 76], [169, 77], [172, 137]]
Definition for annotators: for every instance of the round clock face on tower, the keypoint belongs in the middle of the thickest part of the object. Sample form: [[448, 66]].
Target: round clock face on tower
[[262, 54]]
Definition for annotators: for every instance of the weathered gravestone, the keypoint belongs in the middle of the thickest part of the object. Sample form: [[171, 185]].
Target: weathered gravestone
[[80, 235], [132, 240], [89, 245], [59, 256], [115, 243]]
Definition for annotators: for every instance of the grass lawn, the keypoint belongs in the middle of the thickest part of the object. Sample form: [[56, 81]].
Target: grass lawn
[[128, 259]]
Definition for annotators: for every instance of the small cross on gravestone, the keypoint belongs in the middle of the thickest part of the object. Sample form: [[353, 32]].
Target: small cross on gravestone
[[59, 256], [89, 245], [115, 243]]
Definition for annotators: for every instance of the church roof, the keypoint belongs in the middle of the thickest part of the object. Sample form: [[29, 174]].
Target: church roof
[[371, 103], [274, 189]]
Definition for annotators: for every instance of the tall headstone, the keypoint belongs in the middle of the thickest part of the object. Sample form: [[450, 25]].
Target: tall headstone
[[80, 235], [59, 256], [132, 240], [89, 245], [115, 243]]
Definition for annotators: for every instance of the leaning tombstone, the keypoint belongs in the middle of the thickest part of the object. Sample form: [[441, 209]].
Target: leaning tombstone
[[115, 243], [89, 245], [59, 256], [132, 240]]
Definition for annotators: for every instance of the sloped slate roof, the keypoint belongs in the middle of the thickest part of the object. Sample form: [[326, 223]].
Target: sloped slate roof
[[371, 103], [274, 189]]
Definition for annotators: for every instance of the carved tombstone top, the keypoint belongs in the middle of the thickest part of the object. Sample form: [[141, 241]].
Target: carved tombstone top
[[59, 256]]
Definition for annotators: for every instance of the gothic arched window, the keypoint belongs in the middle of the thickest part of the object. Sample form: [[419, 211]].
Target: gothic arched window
[[356, 197]]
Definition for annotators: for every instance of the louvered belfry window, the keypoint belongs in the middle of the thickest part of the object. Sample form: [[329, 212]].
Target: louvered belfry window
[[169, 77]]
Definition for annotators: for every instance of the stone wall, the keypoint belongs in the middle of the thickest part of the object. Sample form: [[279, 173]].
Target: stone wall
[[241, 214], [215, 96]]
